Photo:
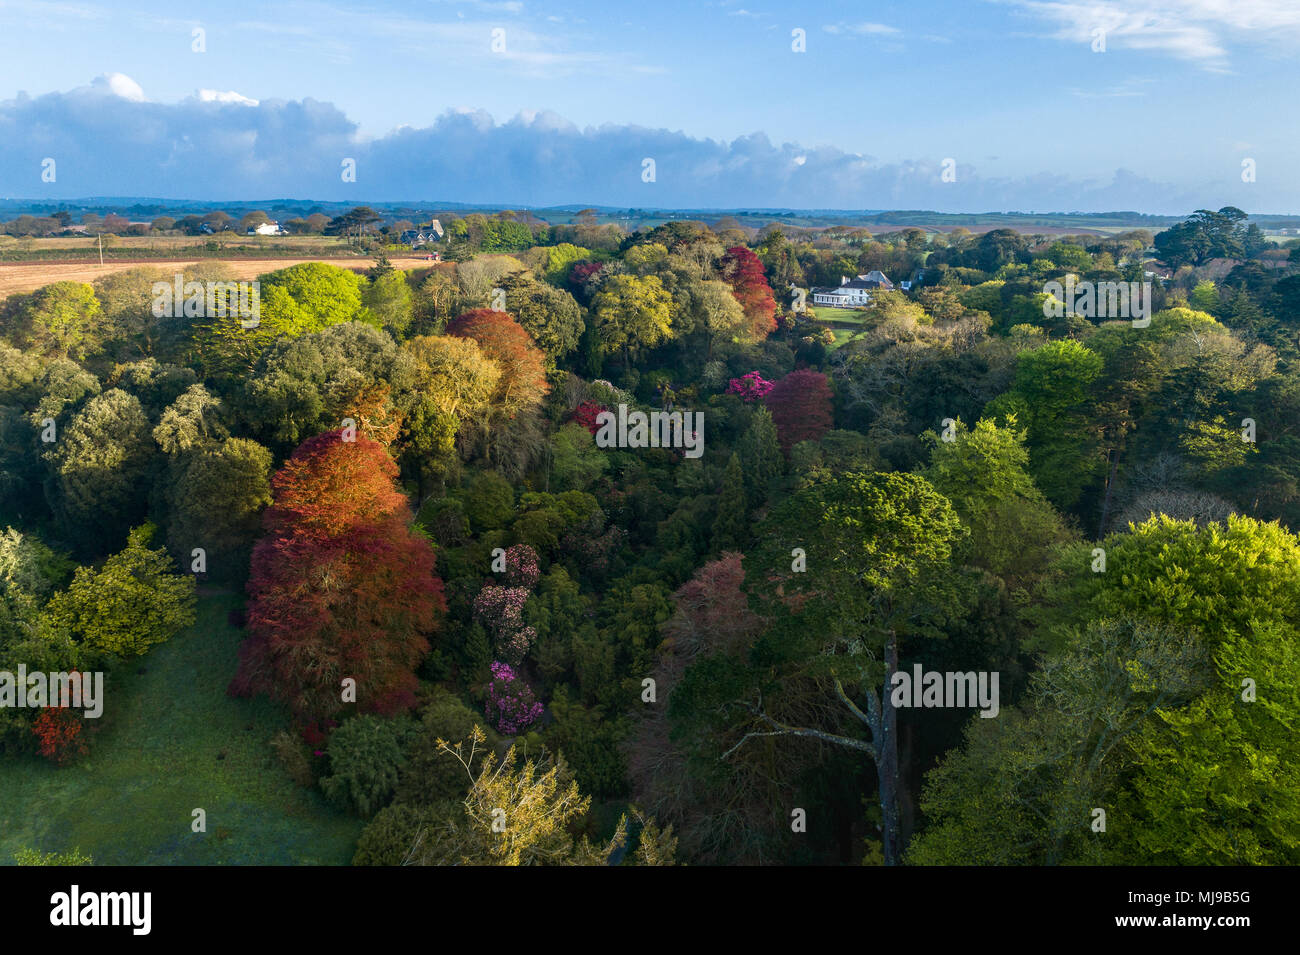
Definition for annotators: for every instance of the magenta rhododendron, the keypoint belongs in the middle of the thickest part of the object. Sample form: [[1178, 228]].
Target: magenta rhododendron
[[751, 387], [510, 704]]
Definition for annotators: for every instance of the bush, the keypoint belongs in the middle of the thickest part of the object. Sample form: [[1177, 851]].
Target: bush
[[289, 750], [365, 755], [59, 730], [389, 837], [428, 775], [510, 704]]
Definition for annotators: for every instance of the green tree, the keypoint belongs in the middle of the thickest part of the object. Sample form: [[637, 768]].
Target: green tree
[[1053, 387], [730, 528], [366, 757], [878, 550], [130, 604], [297, 300], [1022, 788], [61, 319], [304, 386], [984, 472], [215, 495], [98, 469], [632, 314], [389, 302], [760, 456], [576, 462], [1218, 782], [552, 316]]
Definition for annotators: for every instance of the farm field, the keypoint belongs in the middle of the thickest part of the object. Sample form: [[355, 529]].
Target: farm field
[[28, 276]]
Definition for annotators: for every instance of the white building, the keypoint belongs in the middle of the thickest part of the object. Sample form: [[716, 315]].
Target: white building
[[852, 293]]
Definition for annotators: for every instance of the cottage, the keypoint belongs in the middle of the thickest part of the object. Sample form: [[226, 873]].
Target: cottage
[[424, 235]]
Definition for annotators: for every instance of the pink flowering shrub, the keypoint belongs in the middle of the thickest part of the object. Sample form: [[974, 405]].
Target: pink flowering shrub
[[751, 387], [510, 703], [521, 566], [513, 644], [500, 609]]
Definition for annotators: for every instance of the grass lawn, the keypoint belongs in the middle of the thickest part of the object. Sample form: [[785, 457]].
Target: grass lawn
[[153, 760], [838, 316], [843, 335]]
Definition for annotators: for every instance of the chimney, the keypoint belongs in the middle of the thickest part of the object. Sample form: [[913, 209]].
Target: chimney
[[844, 280]]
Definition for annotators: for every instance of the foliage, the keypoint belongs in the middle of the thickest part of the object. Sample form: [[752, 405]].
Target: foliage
[[365, 756], [510, 703], [341, 588], [132, 603], [800, 404]]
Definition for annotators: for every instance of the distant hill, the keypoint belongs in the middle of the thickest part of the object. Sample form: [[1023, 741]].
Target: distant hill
[[139, 208]]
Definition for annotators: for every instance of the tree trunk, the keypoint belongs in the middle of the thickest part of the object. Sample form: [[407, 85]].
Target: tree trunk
[[887, 758], [1105, 503]]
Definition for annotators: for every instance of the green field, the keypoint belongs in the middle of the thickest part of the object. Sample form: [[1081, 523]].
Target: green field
[[154, 759]]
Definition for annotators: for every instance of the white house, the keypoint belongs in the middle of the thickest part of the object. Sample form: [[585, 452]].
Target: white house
[[267, 228], [852, 293]]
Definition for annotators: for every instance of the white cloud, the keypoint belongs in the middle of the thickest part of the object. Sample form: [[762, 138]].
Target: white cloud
[[228, 96], [863, 29], [1196, 30], [119, 84]]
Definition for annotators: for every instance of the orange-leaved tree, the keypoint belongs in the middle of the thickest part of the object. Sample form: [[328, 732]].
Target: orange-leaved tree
[[341, 587]]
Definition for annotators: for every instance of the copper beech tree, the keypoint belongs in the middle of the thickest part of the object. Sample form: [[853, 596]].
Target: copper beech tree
[[340, 585]]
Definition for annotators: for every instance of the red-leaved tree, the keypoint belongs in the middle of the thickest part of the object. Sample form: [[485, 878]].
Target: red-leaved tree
[[743, 271], [340, 586], [523, 369], [801, 407]]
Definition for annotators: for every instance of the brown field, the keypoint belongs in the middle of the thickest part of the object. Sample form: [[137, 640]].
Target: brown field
[[86, 245], [28, 276]]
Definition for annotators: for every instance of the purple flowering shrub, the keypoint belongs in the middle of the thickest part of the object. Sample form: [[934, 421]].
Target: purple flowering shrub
[[510, 703]]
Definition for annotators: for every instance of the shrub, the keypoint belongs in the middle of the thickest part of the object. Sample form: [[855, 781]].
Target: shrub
[[59, 730], [394, 831], [365, 755], [751, 387], [510, 706], [295, 762]]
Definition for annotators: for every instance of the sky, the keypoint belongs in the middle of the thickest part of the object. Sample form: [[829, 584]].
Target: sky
[[1158, 106]]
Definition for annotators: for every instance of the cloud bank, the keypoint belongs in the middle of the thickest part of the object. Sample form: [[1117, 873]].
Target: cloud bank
[[108, 139]]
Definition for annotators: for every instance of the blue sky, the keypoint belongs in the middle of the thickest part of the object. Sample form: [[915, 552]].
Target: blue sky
[[1012, 90]]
